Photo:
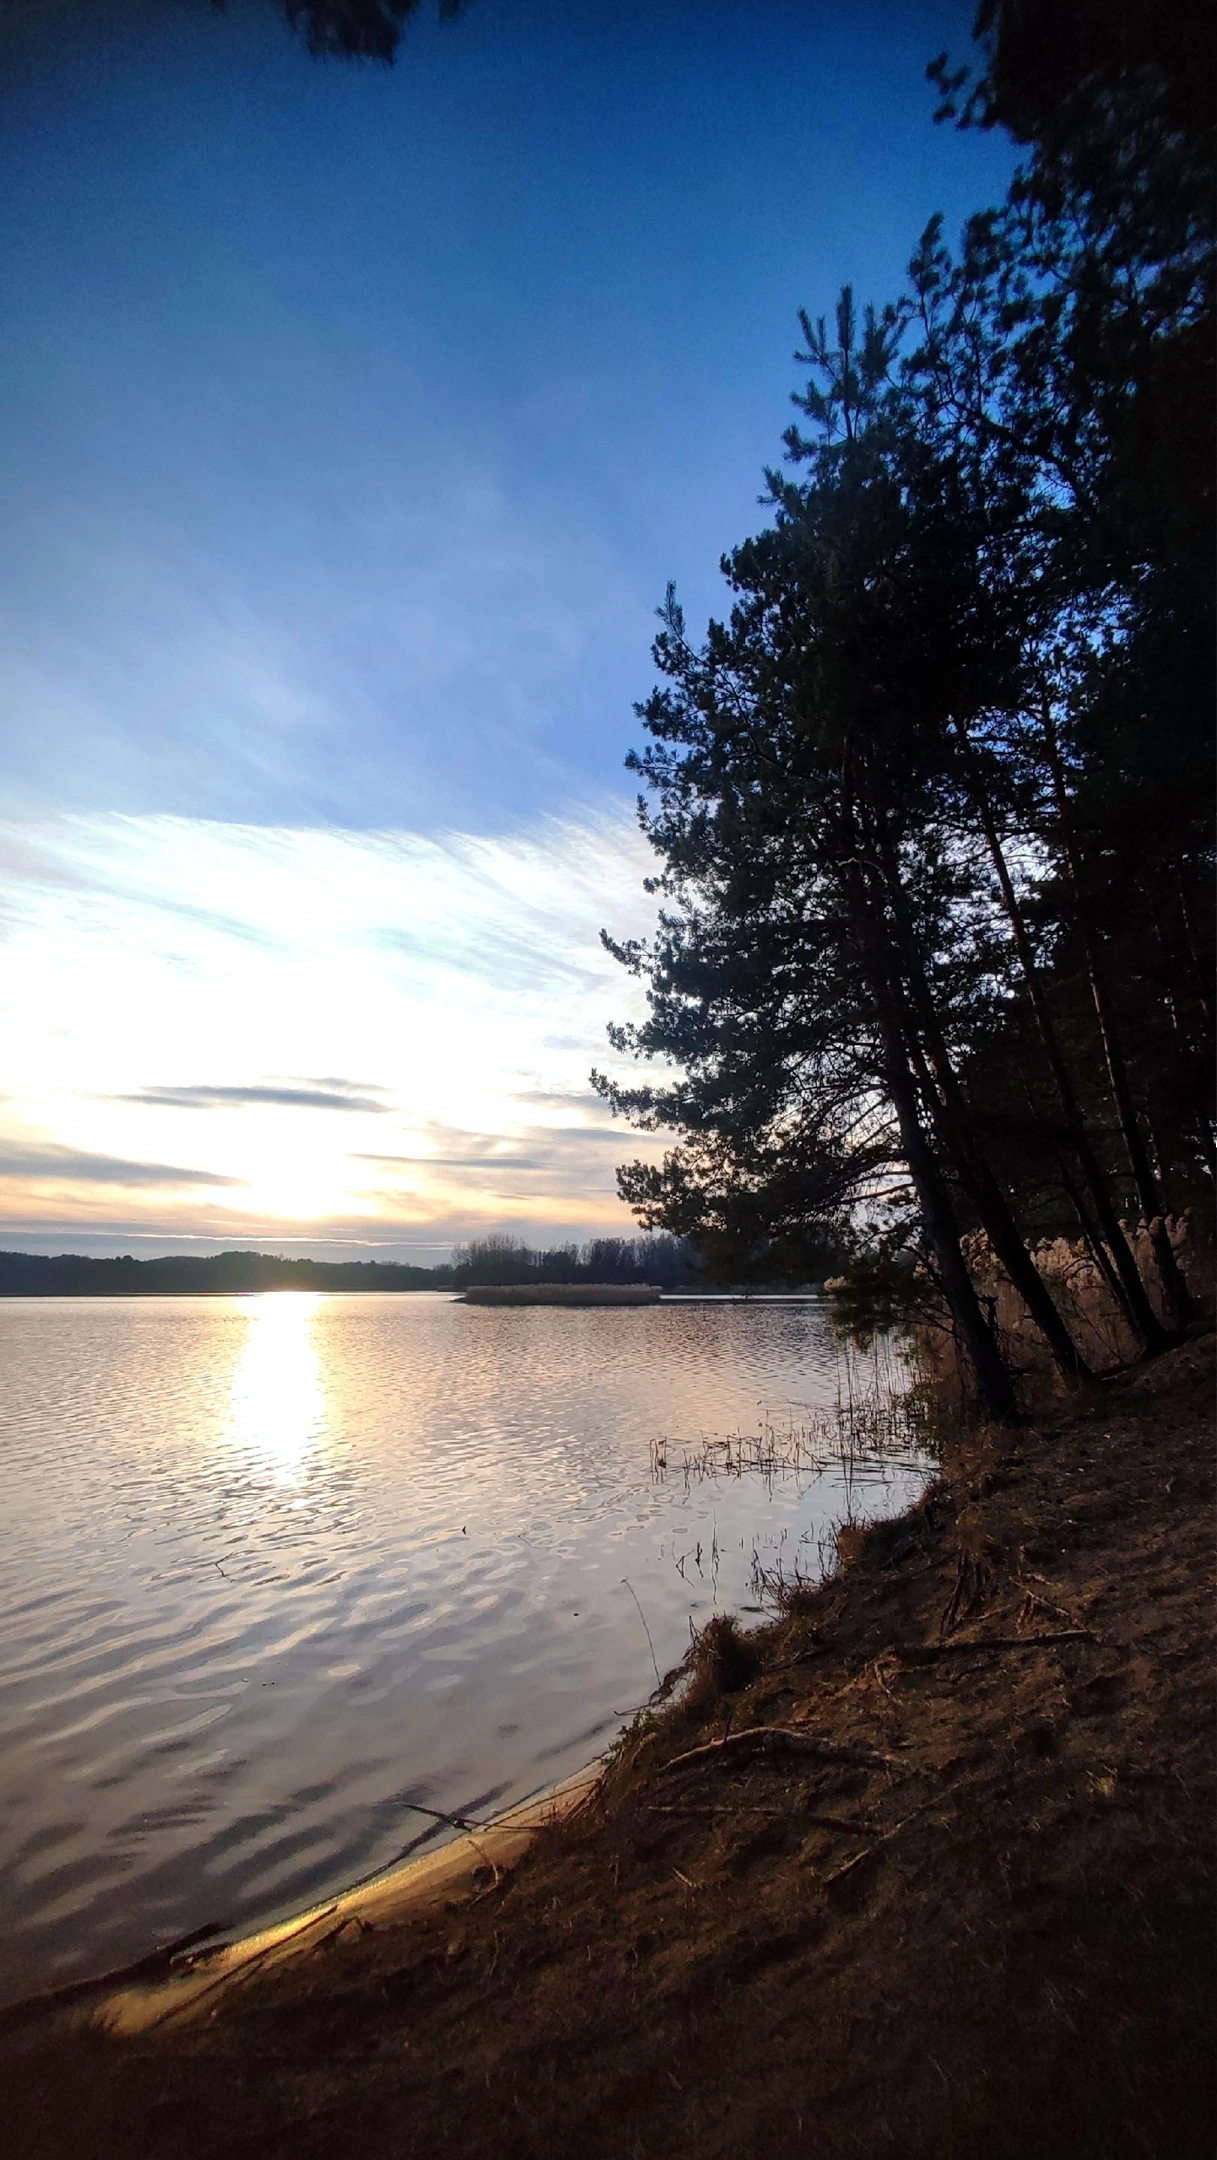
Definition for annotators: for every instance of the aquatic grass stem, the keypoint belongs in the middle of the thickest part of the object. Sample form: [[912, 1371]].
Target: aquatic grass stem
[[642, 1616]]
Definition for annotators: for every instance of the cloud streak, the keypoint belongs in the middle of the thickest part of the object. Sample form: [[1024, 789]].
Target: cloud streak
[[337, 1095], [462, 976], [72, 1166]]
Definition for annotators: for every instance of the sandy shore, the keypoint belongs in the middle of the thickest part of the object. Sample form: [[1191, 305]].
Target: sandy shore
[[197, 1982]]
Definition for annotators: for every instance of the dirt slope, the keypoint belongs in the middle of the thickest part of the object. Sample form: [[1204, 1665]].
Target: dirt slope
[[997, 1941]]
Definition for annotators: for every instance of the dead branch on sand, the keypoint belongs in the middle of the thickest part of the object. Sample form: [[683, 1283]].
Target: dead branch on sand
[[774, 1739]]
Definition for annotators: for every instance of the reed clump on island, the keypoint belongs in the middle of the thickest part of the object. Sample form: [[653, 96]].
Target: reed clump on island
[[561, 1294]]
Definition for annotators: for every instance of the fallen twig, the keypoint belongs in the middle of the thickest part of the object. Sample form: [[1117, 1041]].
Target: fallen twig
[[925, 1653], [764, 1739], [237, 1975], [796, 1814], [1035, 1601], [455, 1822], [876, 1843], [827, 1880], [154, 1965]]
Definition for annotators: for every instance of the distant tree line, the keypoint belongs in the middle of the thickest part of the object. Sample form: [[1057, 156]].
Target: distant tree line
[[74, 1275], [668, 1261], [933, 808]]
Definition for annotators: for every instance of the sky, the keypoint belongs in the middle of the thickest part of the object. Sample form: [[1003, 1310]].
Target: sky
[[352, 422]]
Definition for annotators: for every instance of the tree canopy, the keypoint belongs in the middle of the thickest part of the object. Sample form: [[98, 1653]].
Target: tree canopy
[[356, 29], [933, 806]]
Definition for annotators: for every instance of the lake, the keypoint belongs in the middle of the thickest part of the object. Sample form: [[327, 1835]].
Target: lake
[[278, 1572]]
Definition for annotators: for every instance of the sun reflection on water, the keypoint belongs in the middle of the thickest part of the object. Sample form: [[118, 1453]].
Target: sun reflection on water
[[277, 1407]]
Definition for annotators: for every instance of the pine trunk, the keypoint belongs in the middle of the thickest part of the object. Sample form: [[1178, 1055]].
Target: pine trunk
[[953, 1121], [993, 1382], [1178, 1299], [1142, 1317]]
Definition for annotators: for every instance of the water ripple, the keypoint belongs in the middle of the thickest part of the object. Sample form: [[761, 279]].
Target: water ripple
[[280, 1571]]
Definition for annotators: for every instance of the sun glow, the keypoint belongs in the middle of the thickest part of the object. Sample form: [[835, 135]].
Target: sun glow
[[224, 1031]]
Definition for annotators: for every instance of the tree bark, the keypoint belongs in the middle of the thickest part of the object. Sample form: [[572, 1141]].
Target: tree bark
[[954, 1122], [993, 1382], [1097, 1247], [1141, 1315], [1178, 1297]]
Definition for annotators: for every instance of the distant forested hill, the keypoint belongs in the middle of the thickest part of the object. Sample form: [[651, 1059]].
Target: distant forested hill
[[72, 1275], [667, 1261]]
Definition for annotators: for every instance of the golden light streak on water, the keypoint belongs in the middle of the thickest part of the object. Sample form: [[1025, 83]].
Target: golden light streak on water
[[277, 1408]]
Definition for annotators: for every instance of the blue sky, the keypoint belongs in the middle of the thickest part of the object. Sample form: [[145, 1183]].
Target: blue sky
[[351, 424]]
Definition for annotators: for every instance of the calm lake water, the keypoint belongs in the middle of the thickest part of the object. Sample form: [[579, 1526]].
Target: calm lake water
[[276, 1567]]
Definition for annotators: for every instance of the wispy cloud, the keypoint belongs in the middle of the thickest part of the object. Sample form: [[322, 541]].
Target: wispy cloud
[[559, 1098], [463, 975], [338, 1095], [483, 1159], [72, 1166], [513, 634]]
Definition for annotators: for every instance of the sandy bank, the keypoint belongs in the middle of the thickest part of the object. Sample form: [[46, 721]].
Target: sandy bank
[[946, 1890], [199, 1981]]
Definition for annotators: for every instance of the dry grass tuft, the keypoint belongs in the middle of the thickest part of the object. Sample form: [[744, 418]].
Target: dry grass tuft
[[722, 1659]]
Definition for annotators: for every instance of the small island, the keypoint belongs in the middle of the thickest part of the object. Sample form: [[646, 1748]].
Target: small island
[[561, 1294]]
